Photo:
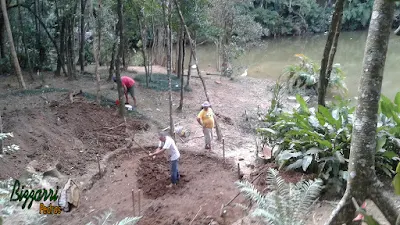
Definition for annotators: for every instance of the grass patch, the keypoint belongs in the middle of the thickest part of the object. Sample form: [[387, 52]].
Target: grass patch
[[103, 100], [33, 92], [159, 82]]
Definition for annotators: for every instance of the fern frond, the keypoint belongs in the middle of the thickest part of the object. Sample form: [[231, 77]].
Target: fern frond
[[128, 220], [307, 192], [266, 216], [275, 182], [105, 218], [252, 193], [281, 190]]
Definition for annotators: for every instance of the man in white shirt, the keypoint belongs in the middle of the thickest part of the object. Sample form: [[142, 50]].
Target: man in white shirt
[[166, 142]]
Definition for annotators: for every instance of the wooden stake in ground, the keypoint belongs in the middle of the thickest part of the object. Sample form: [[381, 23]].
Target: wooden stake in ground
[[139, 198], [260, 173], [98, 163], [133, 202], [239, 171], [219, 133], [223, 150]]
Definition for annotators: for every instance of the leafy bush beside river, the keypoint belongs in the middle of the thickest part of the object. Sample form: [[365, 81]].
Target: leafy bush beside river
[[318, 141]]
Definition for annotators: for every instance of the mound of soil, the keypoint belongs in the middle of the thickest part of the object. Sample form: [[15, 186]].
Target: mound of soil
[[205, 186], [154, 176], [71, 134]]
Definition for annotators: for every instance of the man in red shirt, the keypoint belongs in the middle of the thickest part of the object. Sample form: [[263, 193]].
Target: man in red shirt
[[128, 85]]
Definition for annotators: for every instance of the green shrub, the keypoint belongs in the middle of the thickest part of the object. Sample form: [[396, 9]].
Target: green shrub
[[319, 141], [306, 73]]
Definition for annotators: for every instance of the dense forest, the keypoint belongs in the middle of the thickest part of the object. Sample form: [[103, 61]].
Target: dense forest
[[54, 35]]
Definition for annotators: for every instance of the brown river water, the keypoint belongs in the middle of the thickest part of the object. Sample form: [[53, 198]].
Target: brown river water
[[268, 59]]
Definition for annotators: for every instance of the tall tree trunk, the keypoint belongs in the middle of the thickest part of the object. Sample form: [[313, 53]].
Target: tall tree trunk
[[167, 24], [192, 46], [61, 55], [118, 63], [362, 182], [1, 131], [323, 78], [24, 42], [95, 50], [179, 49], [181, 63], [99, 30], [152, 47], [142, 28], [2, 44], [113, 51], [183, 45], [189, 69], [70, 49], [12, 47], [37, 27], [333, 50], [122, 41], [82, 39]]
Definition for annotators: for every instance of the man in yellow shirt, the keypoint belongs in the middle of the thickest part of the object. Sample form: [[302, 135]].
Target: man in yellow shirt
[[206, 119]]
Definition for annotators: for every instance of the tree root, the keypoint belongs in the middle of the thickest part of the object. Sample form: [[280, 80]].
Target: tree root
[[386, 206], [344, 210]]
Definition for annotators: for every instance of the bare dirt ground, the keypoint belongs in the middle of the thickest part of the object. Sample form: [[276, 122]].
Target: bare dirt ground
[[50, 129]]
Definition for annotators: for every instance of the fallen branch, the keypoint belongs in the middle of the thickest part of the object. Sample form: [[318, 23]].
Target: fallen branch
[[108, 135], [112, 128], [195, 216]]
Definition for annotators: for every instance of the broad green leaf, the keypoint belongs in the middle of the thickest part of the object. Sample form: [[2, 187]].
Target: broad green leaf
[[313, 151], [398, 168], [303, 104], [396, 117], [396, 184], [387, 106], [325, 143], [380, 143], [306, 162], [344, 174], [340, 157], [386, 171], [390, 154], [285, 155], [295, 165], [397, 101], [267, 130], [370, 220], [320, 118], [328, 116]]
